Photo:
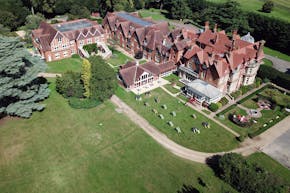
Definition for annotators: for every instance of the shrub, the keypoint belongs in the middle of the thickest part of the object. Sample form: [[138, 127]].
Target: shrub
[[213, 107], [86, 76], [219, 104], [54, 21], [268, 6], [224, 101], [90, 48], [236, 94], [78, 103], [241, 138], [75, 56], [69, 85]]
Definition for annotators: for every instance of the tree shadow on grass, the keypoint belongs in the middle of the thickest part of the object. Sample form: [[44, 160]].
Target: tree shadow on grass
[[212, 162], [188, 189]]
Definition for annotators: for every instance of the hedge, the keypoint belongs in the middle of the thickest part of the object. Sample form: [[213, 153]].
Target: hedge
[[253, 94], [77, 103], [226, 110], [262, 129], [224, 101]]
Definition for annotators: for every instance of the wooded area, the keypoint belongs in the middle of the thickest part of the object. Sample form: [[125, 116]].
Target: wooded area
[[228, 15]]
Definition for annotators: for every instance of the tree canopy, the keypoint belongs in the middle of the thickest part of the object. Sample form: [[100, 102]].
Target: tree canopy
[[247, 177], [103, 81], [20, 88]]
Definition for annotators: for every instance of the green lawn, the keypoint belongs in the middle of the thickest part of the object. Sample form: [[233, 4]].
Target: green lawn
[[250, 103], [281, 9], [230, 124], [118, 58], [155, 14], [61, 66], [277, 54], [267, 62], [64, 150], [171, 89], [271, 165], [174, 78], [213, 139], [206, 111]]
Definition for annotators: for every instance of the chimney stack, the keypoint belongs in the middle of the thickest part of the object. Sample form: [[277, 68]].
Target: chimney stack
[[206, 26], [235, 33], [215, 28], [260, 48]]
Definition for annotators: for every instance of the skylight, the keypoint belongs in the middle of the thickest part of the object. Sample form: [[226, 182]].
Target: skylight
[[133, 19]]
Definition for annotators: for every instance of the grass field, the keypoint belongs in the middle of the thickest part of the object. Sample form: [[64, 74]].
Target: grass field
[[214, 139], [171, 89], [118, 58], [267, 62], [277, 54], [271, 165], [155, 14], [281, 9], [63, 150], [174, 78], [61, 66]]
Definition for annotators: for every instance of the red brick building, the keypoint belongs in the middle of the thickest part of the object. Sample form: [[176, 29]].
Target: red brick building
[[134, 75], [209, 55], [58, 41]]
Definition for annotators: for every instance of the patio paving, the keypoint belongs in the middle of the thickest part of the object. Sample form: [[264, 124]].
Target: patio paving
[[149, 87], [279, 149]]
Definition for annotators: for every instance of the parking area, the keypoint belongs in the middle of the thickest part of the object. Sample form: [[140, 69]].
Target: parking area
[[279, 149]]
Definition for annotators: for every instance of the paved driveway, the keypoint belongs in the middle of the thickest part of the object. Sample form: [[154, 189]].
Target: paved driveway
[[279, 149], [281, 65]]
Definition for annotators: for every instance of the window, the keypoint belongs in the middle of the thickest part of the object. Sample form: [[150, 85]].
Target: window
[[57, 55], [63, 46], [65, 54], [59, 39], [96, 40], [81, 42], [72, 51], [89, 41], [56, 48]]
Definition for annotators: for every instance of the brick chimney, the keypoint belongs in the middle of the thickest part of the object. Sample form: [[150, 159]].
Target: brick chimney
[[260, 48], [206, 26], [235, 33], [215, 28]]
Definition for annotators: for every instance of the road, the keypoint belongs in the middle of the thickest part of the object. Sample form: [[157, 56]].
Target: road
[[248, 147]]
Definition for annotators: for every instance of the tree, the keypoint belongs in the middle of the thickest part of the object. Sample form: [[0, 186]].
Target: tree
[[69, 85], [77, 11], [33, 21], [103, 82], [268, 6], [247, 177], [44, 6], [20, 88], [213, 107], [178, 9], [86, 76]]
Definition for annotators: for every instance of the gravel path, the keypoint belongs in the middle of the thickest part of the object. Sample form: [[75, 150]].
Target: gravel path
[[48, 75], [248, 147], [279, 64]]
